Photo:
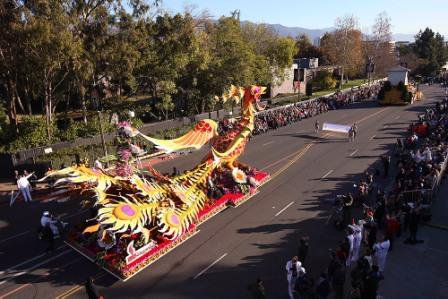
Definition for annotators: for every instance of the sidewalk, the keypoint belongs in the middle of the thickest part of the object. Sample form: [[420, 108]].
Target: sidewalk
[[421, 271]]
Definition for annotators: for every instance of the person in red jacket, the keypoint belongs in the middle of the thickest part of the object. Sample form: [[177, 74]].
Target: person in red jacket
[[392, 227]]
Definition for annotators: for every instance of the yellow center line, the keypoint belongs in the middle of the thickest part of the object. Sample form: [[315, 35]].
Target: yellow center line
[[78, 287]]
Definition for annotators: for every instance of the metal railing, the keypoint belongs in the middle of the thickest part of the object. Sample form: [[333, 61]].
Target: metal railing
[[426, 196]]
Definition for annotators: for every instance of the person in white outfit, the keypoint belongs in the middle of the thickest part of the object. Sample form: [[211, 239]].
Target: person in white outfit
[[47, 220], [24, 187], [350, 240], [293, 270], [357, 239], [380, 250]]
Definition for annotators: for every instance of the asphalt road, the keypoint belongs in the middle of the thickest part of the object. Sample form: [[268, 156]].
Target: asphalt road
[[236, 246]]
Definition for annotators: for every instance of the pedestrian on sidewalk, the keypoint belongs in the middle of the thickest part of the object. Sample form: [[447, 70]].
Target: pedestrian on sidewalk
[[293, 267], [316, 126], [380, 250], [302, 251], [24, 187]]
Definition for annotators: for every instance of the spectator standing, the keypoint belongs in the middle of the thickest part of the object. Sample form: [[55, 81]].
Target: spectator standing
[[257, 290], [24, 187], [91, 289], [339, 282], [302, 251], [323, 287], [371, 284], [293, 267], [380, 250], [414, 219]]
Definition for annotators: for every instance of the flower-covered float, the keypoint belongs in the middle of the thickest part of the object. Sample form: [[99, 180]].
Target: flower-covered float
[[139, 214]]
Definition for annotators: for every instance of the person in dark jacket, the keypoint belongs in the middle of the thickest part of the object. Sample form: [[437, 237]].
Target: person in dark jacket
[[91, 290], [302, 251], [323, 287], [257, 290]]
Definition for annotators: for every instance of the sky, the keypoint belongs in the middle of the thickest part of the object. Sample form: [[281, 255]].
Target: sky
[[408, 16]]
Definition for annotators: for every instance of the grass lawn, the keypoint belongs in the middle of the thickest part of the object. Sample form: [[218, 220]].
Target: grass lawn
[[350, 84]]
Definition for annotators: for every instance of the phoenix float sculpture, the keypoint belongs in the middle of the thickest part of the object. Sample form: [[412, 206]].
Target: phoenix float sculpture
[[134, 202]]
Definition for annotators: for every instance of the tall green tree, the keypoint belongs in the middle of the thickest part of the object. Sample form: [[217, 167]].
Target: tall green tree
[[431, 47]]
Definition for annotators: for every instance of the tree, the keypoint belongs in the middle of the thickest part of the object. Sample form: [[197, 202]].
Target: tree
[[305, 49], [324, 80], [343, 47], [52, 48], [377, 46], [166, 105], [10, 61], [431, 47]]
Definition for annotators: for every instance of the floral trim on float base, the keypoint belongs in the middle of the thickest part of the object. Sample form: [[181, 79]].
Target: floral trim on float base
[[140, 262]]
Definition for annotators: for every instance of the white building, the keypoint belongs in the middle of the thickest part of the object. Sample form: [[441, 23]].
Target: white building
[[397, 74]]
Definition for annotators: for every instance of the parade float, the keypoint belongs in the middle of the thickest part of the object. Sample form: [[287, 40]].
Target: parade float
[[139, 215], [397, 90]]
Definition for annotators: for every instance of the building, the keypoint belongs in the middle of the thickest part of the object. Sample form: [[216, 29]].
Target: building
[[398, 74], [307, 63], [287, 85]]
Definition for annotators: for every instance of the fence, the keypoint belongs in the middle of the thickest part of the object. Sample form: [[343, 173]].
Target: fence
[[426, 196]]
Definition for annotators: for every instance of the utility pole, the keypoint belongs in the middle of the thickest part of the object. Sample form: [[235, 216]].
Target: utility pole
[[102, 134]]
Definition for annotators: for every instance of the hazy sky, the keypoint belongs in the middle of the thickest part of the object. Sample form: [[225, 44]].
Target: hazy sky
[[408, 16]]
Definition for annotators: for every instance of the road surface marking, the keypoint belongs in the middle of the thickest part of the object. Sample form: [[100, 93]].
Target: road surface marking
[[211, 265], [373, 137], [282, 210], [397, 117], [73, 290], [327, 174], [354, 152], [282, 159], [267, 143], [27, 261], [287, 165], [34, 267], [371, 115], [37, 279], [15, 236]]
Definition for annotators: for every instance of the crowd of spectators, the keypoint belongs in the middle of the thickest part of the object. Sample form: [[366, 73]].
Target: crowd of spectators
[[282, 116], [360, 257]]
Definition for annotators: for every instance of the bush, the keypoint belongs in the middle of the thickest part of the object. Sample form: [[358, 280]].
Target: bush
[[324, 80], [405, 94], [387, 86], [32, 133]]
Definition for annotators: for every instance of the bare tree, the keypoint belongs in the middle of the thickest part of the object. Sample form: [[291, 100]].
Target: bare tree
[[378, 47], [344, 41]]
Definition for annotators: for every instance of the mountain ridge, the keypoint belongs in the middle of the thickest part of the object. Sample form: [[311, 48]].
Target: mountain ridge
[[315, 33]]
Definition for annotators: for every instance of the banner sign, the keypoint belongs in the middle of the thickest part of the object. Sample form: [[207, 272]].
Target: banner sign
[[336, 128]]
